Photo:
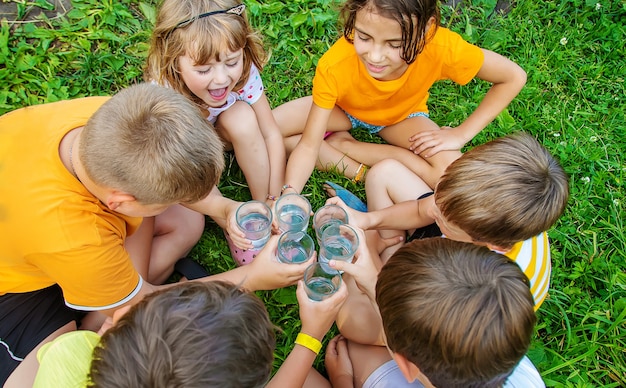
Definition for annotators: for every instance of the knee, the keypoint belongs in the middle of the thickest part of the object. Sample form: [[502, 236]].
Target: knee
[[340, 140], [192, 230], [238, 123], [381, 172]]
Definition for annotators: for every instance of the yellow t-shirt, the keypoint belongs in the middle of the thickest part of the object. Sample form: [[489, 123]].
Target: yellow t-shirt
[[66, 361], [341, 79], [533, 257], [53, 229]]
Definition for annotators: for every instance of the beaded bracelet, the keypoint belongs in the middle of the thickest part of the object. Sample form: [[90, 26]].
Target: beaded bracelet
[[285, 187], [313, 344], [271, 197]]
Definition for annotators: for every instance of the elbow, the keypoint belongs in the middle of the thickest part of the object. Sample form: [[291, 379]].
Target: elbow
[[520, 77]]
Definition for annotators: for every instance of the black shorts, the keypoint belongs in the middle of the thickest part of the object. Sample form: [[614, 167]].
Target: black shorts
[[26, 319], [431, 230]]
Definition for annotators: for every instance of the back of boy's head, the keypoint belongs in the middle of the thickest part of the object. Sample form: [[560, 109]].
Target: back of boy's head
[[463, 314], [412, 16], [504, 191], [191, 335], [154, 144], [203, 39]]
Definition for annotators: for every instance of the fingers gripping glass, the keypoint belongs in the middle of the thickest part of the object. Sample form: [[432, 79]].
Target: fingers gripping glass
[[236, 10]]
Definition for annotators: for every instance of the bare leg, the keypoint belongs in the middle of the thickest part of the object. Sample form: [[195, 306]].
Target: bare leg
[[291, 118], [24, 374], [391, 182], [398, 134], [347, 359], [239, 126], [162, 240], [329, 158], [315, 380], [365, 360]]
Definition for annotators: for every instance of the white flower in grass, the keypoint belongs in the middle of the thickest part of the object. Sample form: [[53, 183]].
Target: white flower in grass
[[598, 6], [563, 41], [556, 134], [593, 139], [616, 202], [585, 179]]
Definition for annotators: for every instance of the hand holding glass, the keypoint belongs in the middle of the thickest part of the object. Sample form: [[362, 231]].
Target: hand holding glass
[[254, 218], [320, 282]]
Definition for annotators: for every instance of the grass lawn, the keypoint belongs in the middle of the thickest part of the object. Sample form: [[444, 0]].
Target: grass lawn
[[573, 52]]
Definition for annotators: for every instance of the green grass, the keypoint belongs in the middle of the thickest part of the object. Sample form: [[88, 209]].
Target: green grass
[[573, 52]]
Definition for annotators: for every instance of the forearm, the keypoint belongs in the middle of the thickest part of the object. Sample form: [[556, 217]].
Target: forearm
[[293, 372], [240, 276], [303, 158], [215, 206], [278, 161], [300, 166], [401, 216], [495, 101], [507, 80]]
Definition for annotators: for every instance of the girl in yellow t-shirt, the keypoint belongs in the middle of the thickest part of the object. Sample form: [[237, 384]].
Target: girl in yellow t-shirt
[[377, 76]]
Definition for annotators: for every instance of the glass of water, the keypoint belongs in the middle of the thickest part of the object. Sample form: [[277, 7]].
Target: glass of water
[[294, 247], [320, 282], [254, 218], [293, 212], [339, 242], [326, 216]]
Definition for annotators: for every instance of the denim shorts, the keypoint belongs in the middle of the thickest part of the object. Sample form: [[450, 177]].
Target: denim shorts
[[356, 123]]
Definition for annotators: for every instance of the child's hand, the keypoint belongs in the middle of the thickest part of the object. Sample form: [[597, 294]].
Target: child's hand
[[318, 317], [237, 235], [338, 363], [355, 217], [267, 273], [365, 268], [428, 143]]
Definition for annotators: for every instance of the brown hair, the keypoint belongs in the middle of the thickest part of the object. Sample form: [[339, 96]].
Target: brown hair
[[505, 191], [411, 15], [191, 335], [203, 39], [153, 143], [464, 315]]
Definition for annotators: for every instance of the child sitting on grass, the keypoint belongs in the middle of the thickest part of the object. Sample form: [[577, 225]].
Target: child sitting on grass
[[190, 335], [454, 315], [377, 76], [503, 194], [101, 221], [207, 51]]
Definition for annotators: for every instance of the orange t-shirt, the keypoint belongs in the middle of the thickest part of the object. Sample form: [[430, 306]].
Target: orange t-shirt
[[341, 79], [54, 230]]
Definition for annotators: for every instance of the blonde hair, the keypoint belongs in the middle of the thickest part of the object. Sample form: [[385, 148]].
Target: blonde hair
[[505, 191], [203, 39], [464, 315], [154, 144]]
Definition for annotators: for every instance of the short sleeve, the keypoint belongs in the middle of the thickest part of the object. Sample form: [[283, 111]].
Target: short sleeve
[[463, 60], [65, 362], [253, 89], [325, 88]]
